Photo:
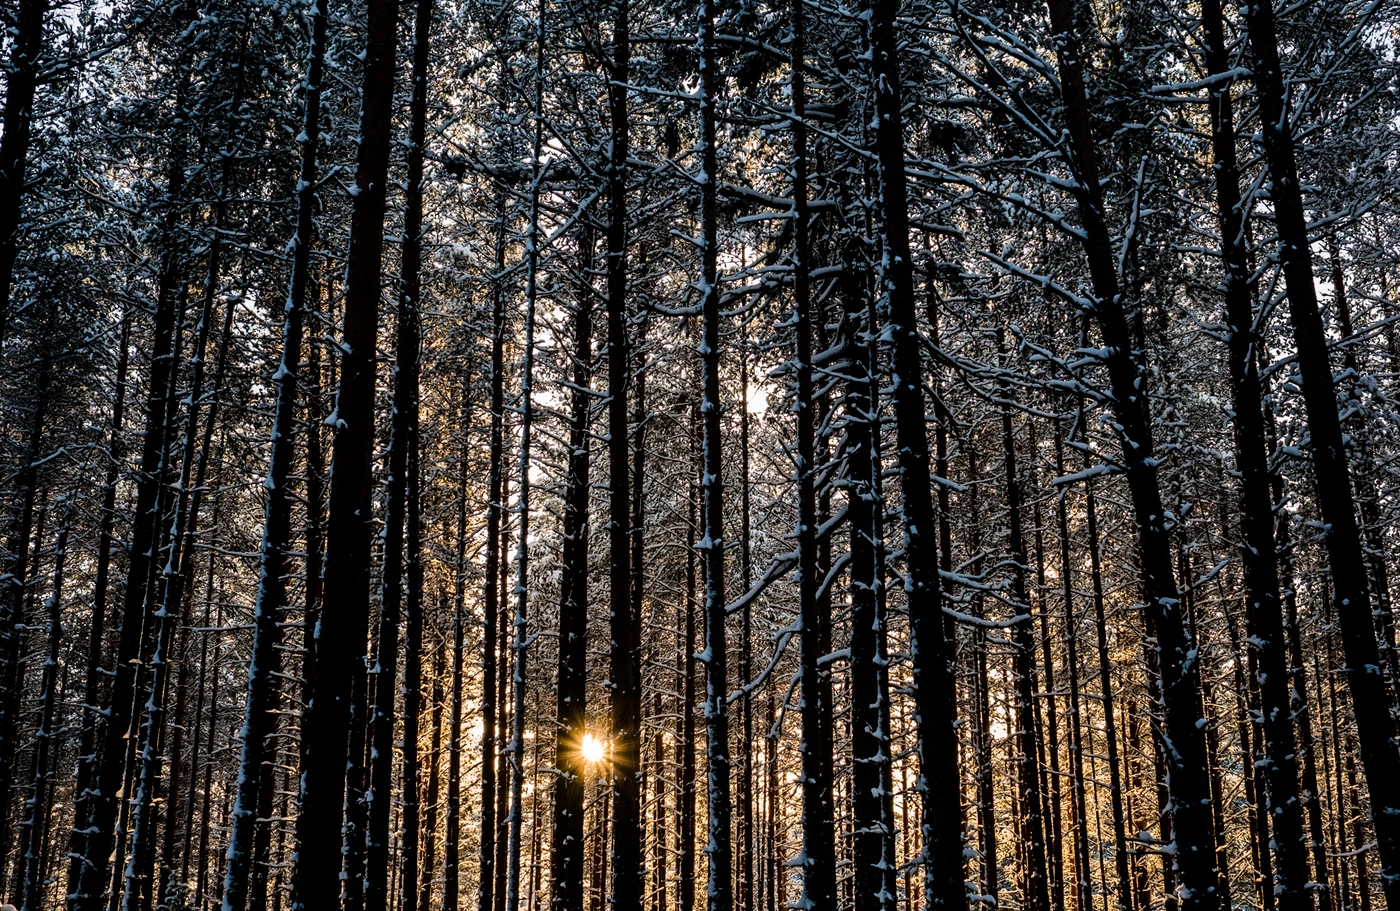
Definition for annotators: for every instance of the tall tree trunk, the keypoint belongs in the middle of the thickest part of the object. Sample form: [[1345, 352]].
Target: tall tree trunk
[[747, 848], [434, 788], [1371, 698], [277, 526], [1037, 896], [92, 696], [22, 78], [685, 745], [410, 316], [314, 565], [1083, 875], [871, 747], [95, 868], [818, 854], [402, 452], [1188, 779], [935, 700], [335, 766], [624, 653], [1258, 556], [491, 695], [520, 625], [452, 817], [31, 874], [1105, 667], [17, 586], [136, 879], [567, 845], [715, 658]]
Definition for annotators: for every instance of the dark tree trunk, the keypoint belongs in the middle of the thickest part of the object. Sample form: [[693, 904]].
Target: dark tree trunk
[[1258, 556], [1037, 893], [1075, 742], [92, 688], [1105, 666], [402, 446], [334, 766], [277, 532], [719, 848], [818, 853], [1187, 777], [452, 818], [17, 586], [748, 846], [22, 78], [525, 407], [567, 846], [685, 745], [31, 849], [434, 788], [935, 699], [95, 867], [409, 370], [625, 649], [1371, 698], [491, 694], [871, 747]]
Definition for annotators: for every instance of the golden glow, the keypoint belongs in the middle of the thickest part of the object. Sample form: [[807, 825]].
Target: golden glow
[[592, 749]]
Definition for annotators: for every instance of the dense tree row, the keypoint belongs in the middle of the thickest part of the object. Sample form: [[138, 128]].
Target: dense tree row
[[759, 455]]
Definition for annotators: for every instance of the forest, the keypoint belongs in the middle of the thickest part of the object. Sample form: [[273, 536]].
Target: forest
[[663, 455]]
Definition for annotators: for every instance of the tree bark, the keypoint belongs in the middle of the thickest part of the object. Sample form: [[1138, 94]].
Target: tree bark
[[95, 867], [334, 767], [567, 845], [31, 835], [1188, 778], [1037, 897], [624, 652], [22, 80], [1371, 697], [941, 855], [715, 658], [872, 751]]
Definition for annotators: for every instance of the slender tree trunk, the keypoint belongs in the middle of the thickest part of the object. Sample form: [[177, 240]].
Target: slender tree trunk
[[748, 847], [402, 451], [1258, 556], [136, 879], [718, 850], [491, 695], [685, 746], [17, 586], [31, 874], [1032, 803], [520, 625], [624, 653], [277, 533], [871, 747], [1188, 777], [335, 767], [1371, 698], [92, 696], [410, 315], [1083, 884], [95, 867], [567, 845], [452, 817], [22, 78], [1115, 784], [935, 700], [818, 854], [425, 892]]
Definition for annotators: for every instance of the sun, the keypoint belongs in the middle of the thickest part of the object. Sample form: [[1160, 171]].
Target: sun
[[592, 749]]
